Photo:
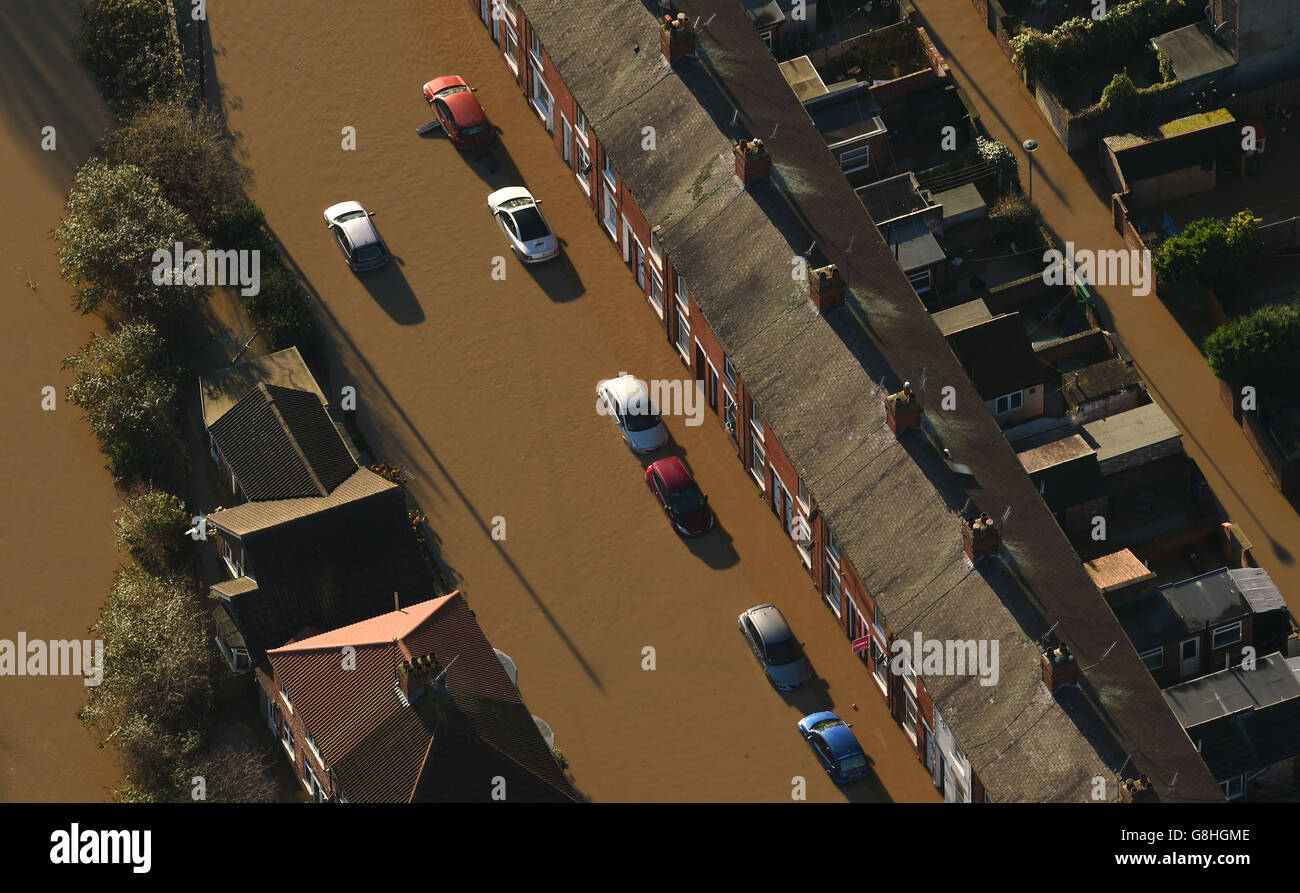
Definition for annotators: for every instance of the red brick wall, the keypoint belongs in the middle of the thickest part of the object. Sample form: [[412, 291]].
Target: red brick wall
[[270, 688]]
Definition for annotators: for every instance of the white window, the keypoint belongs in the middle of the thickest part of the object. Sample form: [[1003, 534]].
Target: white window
[[656, 250], [288, 705], [580, 124], [681, 293], [1009, 402], [611, 215], [921, 282], [568, 140], [758, 460], [910, 714], [610, 176], [755, 422], [543, 103], [286, 737], [832, 548], [855, 159], [640, 264], [803, 495], [728, 370], [879, 659], [767, 39], [1234, 788], [833, 587], [909, 675], [311, 743], [729, 412], [310, 782], [584, 167], [657, 291], [1228, 634], [683, 335], [1154, 659], [512, 47], [535, 47]]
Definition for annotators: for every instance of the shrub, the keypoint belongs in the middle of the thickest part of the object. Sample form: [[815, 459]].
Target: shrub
[[187, 153], [232, 775], [149, 527], [128, 392], [155, 692], [128, 47], [1261, 349], [116, 219], [282, 310], [1217, 253]]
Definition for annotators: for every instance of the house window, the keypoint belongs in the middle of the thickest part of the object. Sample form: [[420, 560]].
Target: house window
[[833, 587], [910, 714], [728, 370], [543, 103], [580, 124], [921, 282], [656, 250], [832, 548], [512, 47], [729, 413], [285, 695], [755, 422], [683, 335], [535, 47], [1234, 788], [1009, 402], [657, 291], [1154, 659], [584, 167], [311, 743], [286, 738], [767, 39], [855, 159], [909, 676], [507, 7], [879, 659], [610, 177], [681, 293], [803, 495], [311, 782], [757, 460], [611, 216], [568, 140], [1228, 634]]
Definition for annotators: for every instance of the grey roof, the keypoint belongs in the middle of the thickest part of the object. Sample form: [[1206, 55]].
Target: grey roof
[[1242, 720], [1193, 51], [221, 390], [763, 13], [845, 113], [1258, 588], [962, 316], [282, 444], [1131, 430], [1180, 609], [253, 516], [892, 502], [893, 197], [915, 247], [962, 204]]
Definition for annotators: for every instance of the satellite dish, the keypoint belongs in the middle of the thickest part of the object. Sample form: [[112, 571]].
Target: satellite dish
[[547, 734], [509, 666]]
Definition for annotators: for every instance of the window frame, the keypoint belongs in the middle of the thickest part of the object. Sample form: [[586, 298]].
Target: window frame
[[683, 322], [1018, 395], [852, 156], [834, 587], [1214, 635], [758, 458], [1150, 653]]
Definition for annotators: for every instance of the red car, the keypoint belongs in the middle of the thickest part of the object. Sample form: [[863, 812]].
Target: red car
[[680, 497], [459, 113]]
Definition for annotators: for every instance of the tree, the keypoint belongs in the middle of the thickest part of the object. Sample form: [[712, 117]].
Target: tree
[[1219, 254], [129, 47], [129, 394], [156, 692], [235, 775], [116, 218], [1260, 349], [187, 153], [150, 526]]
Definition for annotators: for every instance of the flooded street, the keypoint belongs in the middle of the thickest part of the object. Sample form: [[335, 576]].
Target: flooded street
[[56, 539], [485, 390]]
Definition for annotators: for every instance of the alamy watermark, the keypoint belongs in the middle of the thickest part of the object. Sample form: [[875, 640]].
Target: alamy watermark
[[946, 657], [1107, 266], [57, 657], [211, 267], [667, 397]]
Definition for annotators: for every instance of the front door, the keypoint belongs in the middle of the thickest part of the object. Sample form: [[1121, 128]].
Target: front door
[[1189, 652]]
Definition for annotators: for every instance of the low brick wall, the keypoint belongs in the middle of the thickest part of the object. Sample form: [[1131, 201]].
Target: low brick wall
[[1285, 476], [1074, 346], [1008, 296]]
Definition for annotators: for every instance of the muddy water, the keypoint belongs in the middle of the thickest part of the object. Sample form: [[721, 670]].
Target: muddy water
[[485, 390], [1170, 362], [56, 539]]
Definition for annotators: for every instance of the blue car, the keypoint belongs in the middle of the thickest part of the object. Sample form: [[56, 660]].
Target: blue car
[[833, 742]]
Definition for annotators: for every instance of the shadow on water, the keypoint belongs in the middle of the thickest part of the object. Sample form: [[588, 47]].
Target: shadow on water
[[391, 291], [559, 278]]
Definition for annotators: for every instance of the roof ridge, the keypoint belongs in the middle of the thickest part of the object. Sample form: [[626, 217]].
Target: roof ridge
[[272, 403]]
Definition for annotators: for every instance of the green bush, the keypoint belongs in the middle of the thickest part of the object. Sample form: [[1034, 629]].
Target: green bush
[[116, 219], [239, 224], [1261, 349], [129, 48], [128, 391], [282, 310], [1212, 252], [187, 153], [150, 526], [155, 692]]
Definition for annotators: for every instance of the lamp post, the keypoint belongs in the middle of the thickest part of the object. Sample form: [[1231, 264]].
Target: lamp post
[[1030, 146]]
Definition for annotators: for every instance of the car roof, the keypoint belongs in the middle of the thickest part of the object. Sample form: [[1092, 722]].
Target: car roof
[[360, 231], [841, 741], [628, 389], [673, 473], [465, 109], [508, 193], [449, 80], [770, 623]]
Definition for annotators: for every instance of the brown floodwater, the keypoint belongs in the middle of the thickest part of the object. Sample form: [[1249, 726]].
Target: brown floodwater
[[56, 537], [485, 390]]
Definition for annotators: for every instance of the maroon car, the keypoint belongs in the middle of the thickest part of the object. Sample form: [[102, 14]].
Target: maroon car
[[681, 498], [459, 113]]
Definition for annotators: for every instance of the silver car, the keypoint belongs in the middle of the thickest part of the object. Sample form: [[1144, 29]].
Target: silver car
[[626, 400], [779, 653], [357, 237], [521, 220]]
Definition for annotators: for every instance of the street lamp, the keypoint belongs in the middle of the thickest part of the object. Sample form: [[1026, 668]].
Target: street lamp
[[1030, 146]]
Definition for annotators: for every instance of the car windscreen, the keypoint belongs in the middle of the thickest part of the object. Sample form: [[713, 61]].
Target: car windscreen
[[530, 223], [448, 91], [686, 501], [369, 252], [826, 724], [350, 215], [786, 651], [474, 130], [640, 416], [853, 764]]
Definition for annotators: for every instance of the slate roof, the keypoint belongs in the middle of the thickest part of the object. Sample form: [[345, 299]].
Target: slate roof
[[327, 569], [449, 742], [1181, 609], [997, 355], [282, 444], [892, 502]]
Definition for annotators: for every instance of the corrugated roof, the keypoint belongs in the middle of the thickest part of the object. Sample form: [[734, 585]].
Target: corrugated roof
[[251, 517], [893, 503], [281, 444]]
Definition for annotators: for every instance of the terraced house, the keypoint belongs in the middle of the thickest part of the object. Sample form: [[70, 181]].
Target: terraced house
[[768, 276]]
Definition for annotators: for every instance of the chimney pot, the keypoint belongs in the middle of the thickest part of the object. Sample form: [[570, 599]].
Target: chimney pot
[[1059, 668], [903, 410], [752, 161], [980, 537], [677, 37], [827, 287]]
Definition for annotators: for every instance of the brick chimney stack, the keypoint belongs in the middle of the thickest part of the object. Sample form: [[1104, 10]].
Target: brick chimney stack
[[903, 410], [415, 674], [676, 37], [827, 287], [980, 537], [752, 161], [1059, 668], [1139, 790]]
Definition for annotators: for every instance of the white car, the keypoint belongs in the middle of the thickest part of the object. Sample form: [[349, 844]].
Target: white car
[[357, 237], [530, 235], [626, 400]]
